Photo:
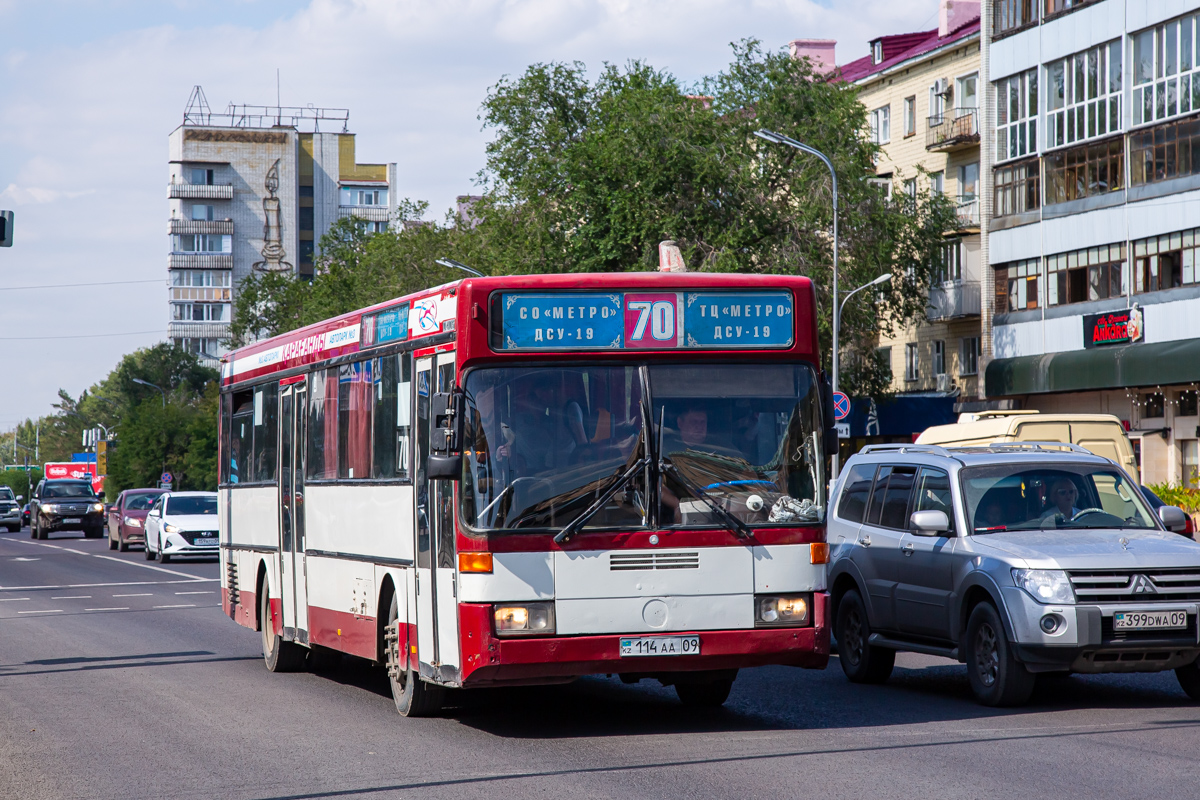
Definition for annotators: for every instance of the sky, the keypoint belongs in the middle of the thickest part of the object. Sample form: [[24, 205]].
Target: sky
[[90, 91]]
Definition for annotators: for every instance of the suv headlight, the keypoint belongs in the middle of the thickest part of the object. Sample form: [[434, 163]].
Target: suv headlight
[[97, 506], [525, 619], [50, 508], [1046, 585], [770, 611]]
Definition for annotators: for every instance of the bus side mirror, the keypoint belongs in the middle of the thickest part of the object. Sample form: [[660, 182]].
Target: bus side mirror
[[444, 467], [446, 410], [832, 443]]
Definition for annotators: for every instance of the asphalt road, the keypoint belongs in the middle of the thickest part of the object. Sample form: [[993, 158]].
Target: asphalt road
[[120, 678]]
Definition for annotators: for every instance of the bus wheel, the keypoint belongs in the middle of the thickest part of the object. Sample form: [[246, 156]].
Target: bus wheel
[[280, 656], [704, 694], [414, 697]]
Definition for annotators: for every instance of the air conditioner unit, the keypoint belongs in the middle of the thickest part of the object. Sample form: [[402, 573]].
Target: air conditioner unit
[[943, 382], [942, 87]]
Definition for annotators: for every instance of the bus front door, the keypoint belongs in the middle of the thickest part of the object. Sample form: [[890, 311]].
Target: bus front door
[[293, 578], [436, 561]]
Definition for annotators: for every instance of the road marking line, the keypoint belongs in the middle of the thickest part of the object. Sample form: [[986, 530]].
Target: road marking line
[[43, 611], [73, 597], [114, 583], [186, 605], [12, 599], [143, 594], [64, 549], [144, 566], [124, 608], [210, 591]]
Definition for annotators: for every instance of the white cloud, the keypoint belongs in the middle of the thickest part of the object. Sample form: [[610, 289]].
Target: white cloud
[[84, 126]]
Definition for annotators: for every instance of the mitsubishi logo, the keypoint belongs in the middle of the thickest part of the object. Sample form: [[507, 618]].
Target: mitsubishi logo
[[1143, 585]]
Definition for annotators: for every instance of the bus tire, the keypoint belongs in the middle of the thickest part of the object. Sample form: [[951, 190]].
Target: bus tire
[[279, 655], [414, 696], [704, 694], [862, 662]]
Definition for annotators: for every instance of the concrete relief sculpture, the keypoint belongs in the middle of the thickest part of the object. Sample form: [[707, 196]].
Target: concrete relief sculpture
[[273, 253]]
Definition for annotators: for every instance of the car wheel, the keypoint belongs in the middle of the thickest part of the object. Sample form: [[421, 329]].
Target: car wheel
[[704, 694], [861, 661], [163, 558], [1189, 678], [280, 656], [413, 696], [996, 676], [112, 543], [122, 545], [149, 552], [42, 533]]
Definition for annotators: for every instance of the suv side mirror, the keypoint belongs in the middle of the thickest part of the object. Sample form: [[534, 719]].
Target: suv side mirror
[[20, 497], [930, 523], [1173, 518]]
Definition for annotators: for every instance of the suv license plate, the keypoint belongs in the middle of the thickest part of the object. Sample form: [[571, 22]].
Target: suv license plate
[[71, 520], [661, 646], [1149, 620]]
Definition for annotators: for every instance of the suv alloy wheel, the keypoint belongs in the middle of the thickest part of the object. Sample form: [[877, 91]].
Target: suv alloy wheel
[[861, 661], [995, 675]]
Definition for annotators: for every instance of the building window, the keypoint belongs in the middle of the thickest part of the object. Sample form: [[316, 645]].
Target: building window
[[1096, 273], [202, 243], [937, 182], [306, 218], [968, 356], [1008, 15], [1185, 403], [937, 104], [306, 191], [910, 188], [910, 116], [1190, 456], [1016, 189], [912, 369], [202, 177], [306, 251], [966, 91], [1058, 6], [202, 213], [952, 261], [1016, 115], [200, 312], [881, 125], [939, 357], [201, 277], [1167, 262], [1165, 152], [202, 347], [877, 52], [1153, 405], [1165, 71], [1018, 286], [356, 196], [1084, 95], [1085, 171], [968, 182]]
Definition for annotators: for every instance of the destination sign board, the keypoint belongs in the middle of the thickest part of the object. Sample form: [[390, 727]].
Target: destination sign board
[[645, 320], [384, 327]]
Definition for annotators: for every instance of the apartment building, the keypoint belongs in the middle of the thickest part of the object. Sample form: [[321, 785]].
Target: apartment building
[[1092, 285], [255, 189]]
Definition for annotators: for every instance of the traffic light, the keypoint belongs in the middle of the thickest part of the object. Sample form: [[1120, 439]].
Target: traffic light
[[6, 228]]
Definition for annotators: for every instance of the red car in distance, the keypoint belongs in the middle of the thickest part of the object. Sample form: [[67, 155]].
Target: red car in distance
[[127, 517]]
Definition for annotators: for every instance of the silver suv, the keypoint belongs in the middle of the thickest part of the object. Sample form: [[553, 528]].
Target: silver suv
[[1017, 559]]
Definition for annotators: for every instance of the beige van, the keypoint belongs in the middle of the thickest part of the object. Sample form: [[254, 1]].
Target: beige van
[[1102, 434]]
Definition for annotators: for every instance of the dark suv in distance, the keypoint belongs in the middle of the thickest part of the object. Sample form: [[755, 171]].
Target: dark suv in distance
[[65, 505], [10, 509]]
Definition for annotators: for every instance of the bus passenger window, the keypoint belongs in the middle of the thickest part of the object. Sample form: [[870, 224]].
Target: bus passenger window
[[393, 401], [241, 446], [322, 425], [354, 420], [266, 408]]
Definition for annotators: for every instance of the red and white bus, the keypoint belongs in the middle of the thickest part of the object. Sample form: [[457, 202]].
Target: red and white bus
[[522, 480]]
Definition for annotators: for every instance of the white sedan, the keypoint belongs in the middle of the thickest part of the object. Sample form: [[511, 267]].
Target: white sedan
[[182, 524]]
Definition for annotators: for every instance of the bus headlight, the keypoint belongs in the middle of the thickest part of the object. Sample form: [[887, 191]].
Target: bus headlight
[[780, 610], [526, 619]]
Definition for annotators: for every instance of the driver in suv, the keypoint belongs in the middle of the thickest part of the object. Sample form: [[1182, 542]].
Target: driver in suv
[[65, 505], [1017, 559]]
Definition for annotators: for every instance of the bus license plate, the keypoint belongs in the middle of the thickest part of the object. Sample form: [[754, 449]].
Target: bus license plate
[[661, 646], [1149, 620]]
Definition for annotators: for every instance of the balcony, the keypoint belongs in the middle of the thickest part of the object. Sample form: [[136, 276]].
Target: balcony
[[200, 261], [953, 300], [968, 212], [207, 294], [216, 226], [188, 191], [955, 130], [369, 213], [187, 329]]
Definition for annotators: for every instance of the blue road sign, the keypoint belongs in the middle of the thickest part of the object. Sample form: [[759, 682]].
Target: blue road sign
[[841, 405]]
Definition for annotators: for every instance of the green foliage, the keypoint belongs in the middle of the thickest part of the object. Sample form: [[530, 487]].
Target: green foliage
[[1174, 494], [16, 480], [589, 176]]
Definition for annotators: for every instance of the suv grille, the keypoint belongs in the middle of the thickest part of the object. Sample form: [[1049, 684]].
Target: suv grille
[[1137, 586], [625, 562], [72, 510]]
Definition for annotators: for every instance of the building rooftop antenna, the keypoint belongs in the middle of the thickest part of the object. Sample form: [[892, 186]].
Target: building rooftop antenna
[[197, 111]]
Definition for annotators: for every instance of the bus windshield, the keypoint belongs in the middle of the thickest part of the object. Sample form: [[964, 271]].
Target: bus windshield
[[545, 444]]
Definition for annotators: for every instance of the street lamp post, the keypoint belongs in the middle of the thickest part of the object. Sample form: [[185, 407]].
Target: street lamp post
[[153, 386]]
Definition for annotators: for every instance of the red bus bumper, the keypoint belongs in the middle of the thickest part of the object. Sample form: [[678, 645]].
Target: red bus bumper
[[489, 659]]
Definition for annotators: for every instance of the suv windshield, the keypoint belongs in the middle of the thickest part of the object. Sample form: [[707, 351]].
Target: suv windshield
[[140, 502], [5, 493], [543, 444], [68, 489], [191, 505], [1017, 497]]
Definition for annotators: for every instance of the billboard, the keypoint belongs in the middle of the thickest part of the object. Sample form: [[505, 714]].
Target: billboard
[[74, 469]]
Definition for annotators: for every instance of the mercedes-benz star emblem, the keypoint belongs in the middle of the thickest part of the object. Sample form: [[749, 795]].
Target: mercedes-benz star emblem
[[1143, 585]]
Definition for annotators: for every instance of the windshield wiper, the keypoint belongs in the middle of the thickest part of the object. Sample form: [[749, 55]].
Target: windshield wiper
[[574, 525], [743, 532]]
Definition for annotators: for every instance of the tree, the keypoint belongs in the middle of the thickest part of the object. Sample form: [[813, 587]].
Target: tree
[[588, 176]]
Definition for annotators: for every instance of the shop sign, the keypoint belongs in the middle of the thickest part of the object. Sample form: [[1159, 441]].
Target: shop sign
[[1113, 327]]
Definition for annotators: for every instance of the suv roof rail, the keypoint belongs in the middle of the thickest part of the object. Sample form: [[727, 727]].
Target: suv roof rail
[[999, 447], [936, 450]]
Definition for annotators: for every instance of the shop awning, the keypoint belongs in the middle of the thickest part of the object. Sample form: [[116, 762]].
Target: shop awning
[[1157, 364]]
